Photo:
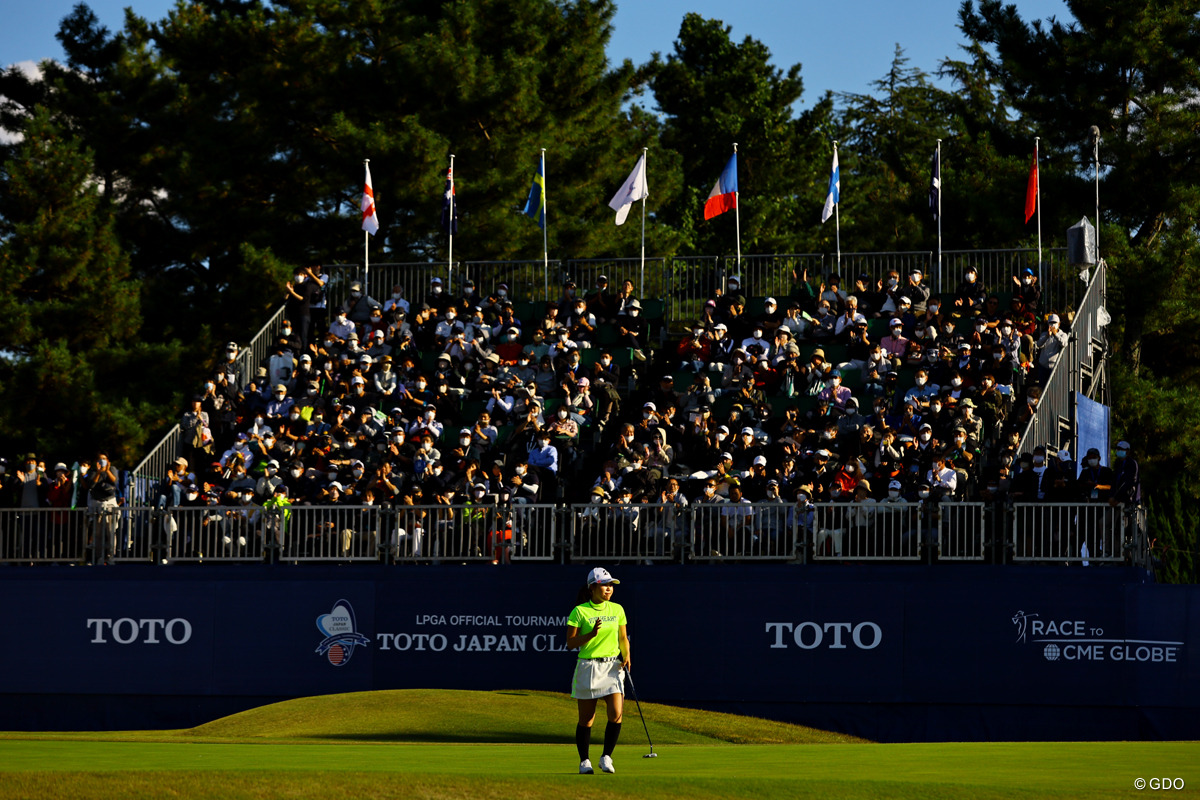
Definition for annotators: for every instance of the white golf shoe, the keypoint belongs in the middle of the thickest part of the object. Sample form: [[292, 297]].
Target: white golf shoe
[[585, 767], [606, 764]]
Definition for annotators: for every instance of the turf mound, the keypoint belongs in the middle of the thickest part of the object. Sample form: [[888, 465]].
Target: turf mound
[[506, 717]]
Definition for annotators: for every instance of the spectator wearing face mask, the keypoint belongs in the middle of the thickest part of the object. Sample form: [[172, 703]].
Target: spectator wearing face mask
[[544, 456], [1058, 481], [826, 321], [341, 327], [302, 293], [562, 427], [631, 329], [1050, 346], [279, 405], [1027, 289], [1023, 410], [917, 294], [942, 478], [396, 301], [846, 479], [970, 294], [1127, 479], [835, 392], [270, 480], [1095, 481], [522, 483], [600, 300], [436, 299]]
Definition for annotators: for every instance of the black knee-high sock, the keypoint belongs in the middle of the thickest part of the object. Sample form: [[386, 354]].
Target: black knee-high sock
[[583, 738], [611, 732]]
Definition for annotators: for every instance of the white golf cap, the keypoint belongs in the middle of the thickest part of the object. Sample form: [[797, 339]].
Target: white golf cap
[[600, 575]]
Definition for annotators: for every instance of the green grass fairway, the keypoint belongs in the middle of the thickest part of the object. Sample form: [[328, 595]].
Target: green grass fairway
[[415, 745]]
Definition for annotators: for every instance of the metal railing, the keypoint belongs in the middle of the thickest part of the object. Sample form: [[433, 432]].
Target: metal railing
[[1079, 368], [480, 533], [45, 535], [746, 531], [141, 480], [638, 531], [687, 281], [870, 531], [1073, 533], [1055, 533]]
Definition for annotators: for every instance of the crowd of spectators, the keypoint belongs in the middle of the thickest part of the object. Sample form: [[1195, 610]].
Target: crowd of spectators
[[883, 390], [880, 393]]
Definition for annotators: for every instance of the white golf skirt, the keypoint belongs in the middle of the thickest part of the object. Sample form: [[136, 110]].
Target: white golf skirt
[[597, 677]]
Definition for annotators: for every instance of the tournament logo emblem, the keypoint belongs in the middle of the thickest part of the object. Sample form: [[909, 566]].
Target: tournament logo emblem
[[341, 634]]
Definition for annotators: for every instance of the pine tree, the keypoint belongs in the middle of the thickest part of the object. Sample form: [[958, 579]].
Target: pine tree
[[72, 377]]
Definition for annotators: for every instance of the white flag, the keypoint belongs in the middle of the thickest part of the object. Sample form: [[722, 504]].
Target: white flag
[[633, 189], [370, 220]]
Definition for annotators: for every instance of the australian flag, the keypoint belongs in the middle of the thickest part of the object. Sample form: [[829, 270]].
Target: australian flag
[[449, 205]]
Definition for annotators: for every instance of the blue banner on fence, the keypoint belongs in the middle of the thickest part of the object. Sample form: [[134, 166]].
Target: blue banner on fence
[[816, 638]]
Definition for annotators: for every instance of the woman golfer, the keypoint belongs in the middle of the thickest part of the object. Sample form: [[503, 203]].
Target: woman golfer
[[597, 627]]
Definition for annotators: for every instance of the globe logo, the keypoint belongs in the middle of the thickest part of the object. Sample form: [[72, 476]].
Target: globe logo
[[1051, 652]]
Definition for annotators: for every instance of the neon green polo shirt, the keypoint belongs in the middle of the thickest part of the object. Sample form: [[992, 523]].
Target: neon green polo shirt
[[607, 643]]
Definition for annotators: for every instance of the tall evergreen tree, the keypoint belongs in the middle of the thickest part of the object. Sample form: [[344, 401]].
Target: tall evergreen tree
[[73, 375], [1130, 70]]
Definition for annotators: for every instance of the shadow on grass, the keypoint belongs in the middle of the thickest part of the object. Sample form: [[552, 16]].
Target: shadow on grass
[[437, 737]]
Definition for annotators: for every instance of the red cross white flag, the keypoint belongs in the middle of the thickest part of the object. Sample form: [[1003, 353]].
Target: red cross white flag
[[370, 220]]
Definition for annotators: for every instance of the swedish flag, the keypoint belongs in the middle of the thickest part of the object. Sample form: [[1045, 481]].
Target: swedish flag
[[535, 205]]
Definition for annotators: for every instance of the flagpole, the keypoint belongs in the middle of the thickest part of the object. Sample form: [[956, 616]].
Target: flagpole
[[450, 228], [1096, 162], [837, 217], [1038, 190], [939, 211], [366, 250], [545, 230], [737, 215], [642, 290]]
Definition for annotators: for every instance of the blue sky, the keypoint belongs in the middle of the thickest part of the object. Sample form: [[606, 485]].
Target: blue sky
[[842, 46]]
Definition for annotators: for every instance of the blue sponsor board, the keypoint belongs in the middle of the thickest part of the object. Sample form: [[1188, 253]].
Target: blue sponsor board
[[905, 653]]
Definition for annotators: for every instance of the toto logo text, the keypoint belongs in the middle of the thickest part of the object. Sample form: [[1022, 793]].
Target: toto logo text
[[127, 630], [829, 635]]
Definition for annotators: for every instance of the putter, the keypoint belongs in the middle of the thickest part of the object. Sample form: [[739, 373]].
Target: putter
[[633, 689]]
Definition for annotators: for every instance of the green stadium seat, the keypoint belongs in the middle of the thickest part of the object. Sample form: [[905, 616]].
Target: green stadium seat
[[877, 329], [653, 309], [606, 334], [529, 311], [683, 380]]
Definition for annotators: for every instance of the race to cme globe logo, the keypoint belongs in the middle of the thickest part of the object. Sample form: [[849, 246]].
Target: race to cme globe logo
[[1077, 640]]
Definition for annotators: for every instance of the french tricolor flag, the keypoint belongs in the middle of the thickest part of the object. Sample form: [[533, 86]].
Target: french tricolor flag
[[723, 196]]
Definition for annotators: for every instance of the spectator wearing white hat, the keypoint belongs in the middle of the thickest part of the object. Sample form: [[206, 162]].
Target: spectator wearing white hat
[[436, 299], [722, 345], [1050, 347], [745, 449], [895, 344], [770, 318]]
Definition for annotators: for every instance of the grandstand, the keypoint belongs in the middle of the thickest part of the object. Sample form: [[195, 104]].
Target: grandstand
[[777, 408]]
